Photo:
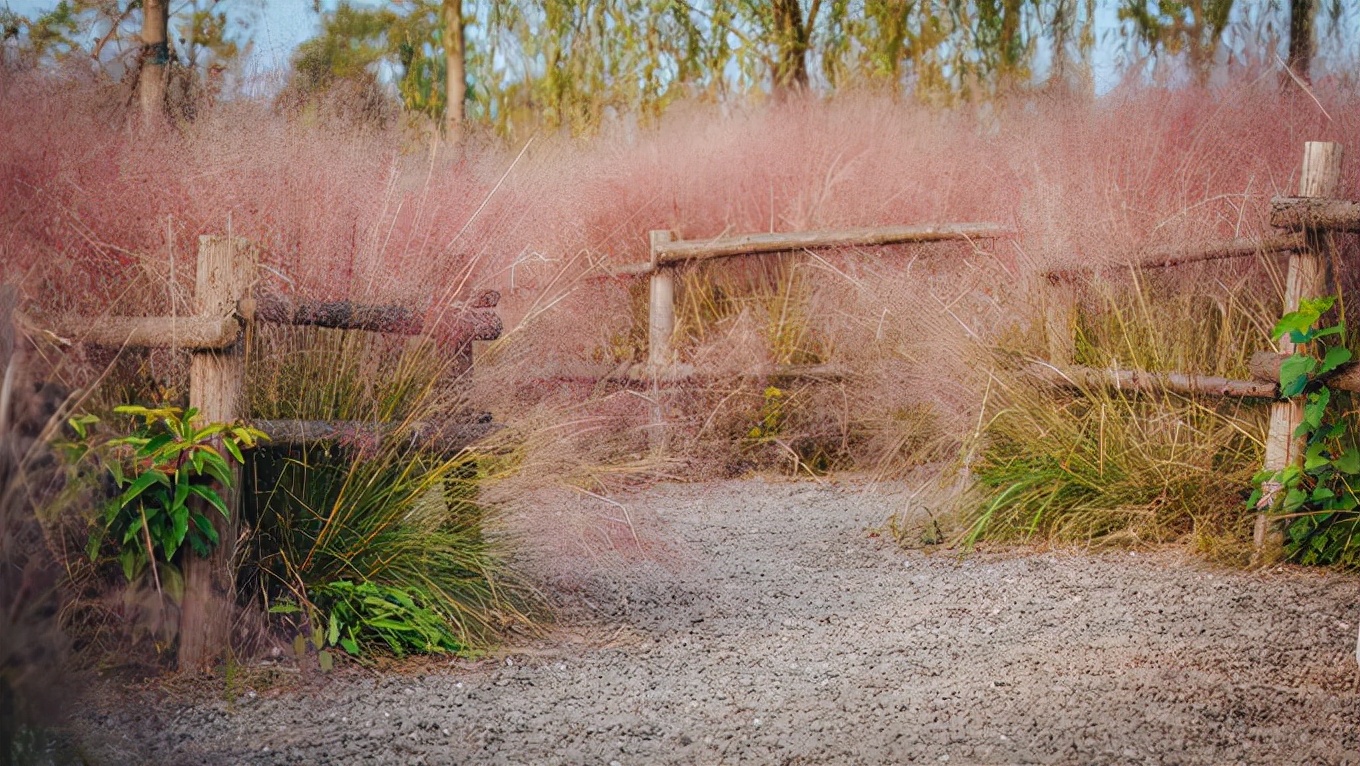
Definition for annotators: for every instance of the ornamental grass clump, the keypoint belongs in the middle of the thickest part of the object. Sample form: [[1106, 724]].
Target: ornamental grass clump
[[1098, 465], [379, 536]]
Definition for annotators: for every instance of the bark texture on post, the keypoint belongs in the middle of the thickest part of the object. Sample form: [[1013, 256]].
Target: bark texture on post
[[1059, 297], [1301, 38], [455, 68], [1307, 278], [155, 57], [226, 270], [660, 328]]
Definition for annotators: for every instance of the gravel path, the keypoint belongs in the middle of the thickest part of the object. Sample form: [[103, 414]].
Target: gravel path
[[778, 631]]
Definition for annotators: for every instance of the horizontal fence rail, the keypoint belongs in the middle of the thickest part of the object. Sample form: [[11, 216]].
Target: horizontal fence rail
[[680, 251]]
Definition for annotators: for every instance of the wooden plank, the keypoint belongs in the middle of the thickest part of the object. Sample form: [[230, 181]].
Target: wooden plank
[[661, 306], [1265, 365], [477, 321], [1307, 278], [1306, 214], [673, 252], [446, 438], [193, 333], [226, 271], [1081, 377]]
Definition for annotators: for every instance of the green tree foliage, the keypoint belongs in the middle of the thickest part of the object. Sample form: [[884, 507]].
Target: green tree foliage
[[1192, 27], [206, 39]]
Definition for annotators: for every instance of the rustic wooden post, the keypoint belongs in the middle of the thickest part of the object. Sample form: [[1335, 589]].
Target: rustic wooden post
[[661, 309], [1307, 278], [660, 328], [1060, 307], [226, 271], [9, 301]]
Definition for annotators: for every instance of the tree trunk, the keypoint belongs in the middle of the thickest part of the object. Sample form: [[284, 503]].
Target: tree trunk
[[790, 65], [1300, 38], [456, 69], [155, 57], [1010, 54]]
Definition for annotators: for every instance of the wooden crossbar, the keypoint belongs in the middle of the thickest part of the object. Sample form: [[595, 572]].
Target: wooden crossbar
[[1314, 213], [679, 251]]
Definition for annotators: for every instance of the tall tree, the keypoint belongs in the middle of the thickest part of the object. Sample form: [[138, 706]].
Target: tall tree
[[455, 69], [1301, 37], [789, 68], [155, 56], [1192, 27]]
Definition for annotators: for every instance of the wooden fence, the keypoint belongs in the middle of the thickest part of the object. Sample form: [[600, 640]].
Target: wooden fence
[[226, 301], [1308, 222]]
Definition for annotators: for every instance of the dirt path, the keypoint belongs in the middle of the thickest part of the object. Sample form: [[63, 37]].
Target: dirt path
[[782, 633]]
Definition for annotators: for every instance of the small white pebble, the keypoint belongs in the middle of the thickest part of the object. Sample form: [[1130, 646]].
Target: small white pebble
[[756, 722]]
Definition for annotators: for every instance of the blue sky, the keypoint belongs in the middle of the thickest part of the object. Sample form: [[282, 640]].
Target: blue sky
[[279, 25]]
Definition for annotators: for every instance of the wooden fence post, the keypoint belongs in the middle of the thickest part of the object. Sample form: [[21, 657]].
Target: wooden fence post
[[1307, 278], [226, 272], [9, 301], [1060, 307], [660, 328], [661, 308]]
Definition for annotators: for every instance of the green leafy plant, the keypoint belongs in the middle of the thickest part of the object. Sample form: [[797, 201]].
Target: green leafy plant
[[1319, 495], [170, 474], [360, 614]]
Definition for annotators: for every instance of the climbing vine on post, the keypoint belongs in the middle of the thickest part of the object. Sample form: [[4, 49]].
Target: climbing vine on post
[[1318, 497]]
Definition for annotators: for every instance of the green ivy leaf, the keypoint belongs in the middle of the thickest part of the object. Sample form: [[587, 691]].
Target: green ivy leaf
[[1309, 312], [1294, 373], [1349, 462], [1316, 457], [1335, 357], [1314, 410]]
